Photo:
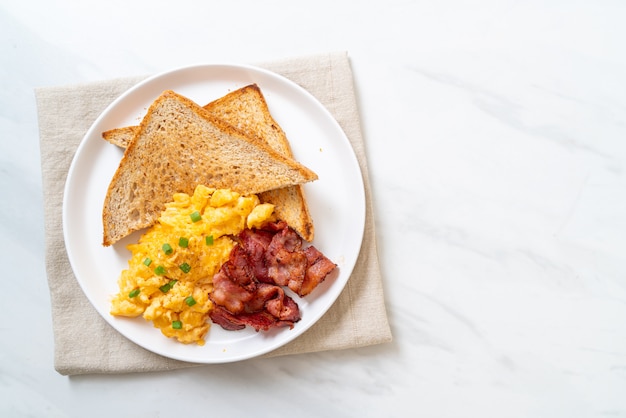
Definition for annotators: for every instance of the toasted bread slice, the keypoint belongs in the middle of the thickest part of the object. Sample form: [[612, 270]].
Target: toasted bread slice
[[247, 110], [120, 136], [179, 145]]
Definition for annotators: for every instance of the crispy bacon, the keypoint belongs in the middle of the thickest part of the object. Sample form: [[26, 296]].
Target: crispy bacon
[[285, 260], [319, 267], [242, 300], [247, 288], [234, 285], [255, 244], [260, 321], [267, 308], [288, 264], [278, 303]]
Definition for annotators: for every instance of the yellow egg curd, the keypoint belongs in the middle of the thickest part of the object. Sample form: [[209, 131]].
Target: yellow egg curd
[[169, 275]]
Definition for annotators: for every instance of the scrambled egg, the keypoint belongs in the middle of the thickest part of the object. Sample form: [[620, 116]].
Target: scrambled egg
[[169, 275]]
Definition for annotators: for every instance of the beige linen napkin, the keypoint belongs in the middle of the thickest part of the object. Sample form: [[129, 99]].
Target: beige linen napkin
[[84, 342]]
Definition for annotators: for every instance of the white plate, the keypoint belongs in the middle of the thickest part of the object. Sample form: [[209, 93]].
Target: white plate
[[336, 200]]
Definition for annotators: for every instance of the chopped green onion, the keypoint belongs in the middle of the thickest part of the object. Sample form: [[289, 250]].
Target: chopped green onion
[[185, 267], [167, 249], [167, 286], [195, 216], [147, 261], [183, 242], [177, 325], [159, 271], [190, 301], [209, 240], [133, 293]]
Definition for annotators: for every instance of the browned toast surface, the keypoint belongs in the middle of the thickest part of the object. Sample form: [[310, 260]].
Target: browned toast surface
[[179, 145], [247, 110]]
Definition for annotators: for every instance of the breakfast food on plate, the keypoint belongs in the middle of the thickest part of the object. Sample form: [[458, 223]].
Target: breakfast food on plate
[[178, 146], [218, 255], [170, 272], [247, 110], [247, 288], [218, 190], [120, 136]]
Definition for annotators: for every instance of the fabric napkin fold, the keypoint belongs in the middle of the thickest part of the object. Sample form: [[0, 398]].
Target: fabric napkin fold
[[84, 342]]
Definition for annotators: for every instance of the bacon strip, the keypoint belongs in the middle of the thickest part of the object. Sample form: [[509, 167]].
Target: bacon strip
[[247, 289], [319, 267], [255, 244], [277, 256], [242, 300], [260, 321]]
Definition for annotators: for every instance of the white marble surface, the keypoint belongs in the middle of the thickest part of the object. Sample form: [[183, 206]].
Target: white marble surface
[[496, 141]]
